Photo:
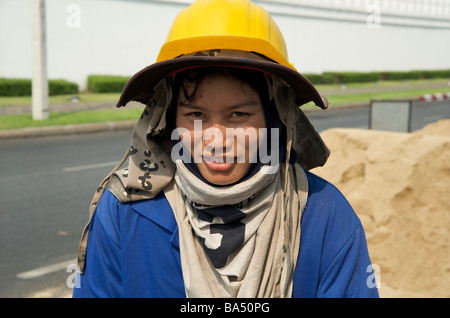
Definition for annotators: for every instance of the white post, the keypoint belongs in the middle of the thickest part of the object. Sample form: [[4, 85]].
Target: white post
[[39, 82]]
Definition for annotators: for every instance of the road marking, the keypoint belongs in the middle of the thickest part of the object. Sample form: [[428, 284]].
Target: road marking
[[44, 270], [91, 166], [67, 169]]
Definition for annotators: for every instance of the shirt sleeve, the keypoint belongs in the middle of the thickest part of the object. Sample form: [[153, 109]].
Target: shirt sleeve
[[101, 277]]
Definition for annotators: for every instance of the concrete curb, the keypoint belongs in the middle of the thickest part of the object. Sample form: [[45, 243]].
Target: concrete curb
[[46, 131]]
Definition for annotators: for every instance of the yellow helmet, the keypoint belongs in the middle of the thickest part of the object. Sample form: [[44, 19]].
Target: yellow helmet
[[229, 33], [230, 25]]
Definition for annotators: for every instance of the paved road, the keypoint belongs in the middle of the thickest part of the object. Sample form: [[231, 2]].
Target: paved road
[[46, 185], [44, 200]]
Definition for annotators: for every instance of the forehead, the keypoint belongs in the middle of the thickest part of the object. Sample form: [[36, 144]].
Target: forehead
[[192, 77]]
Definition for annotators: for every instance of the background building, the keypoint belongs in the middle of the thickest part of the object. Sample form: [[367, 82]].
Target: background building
[[119, 37]]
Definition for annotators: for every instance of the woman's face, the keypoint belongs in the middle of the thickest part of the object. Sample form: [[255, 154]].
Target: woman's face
[[223, 120]]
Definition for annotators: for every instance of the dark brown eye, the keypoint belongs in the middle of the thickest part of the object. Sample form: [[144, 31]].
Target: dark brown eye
[[196, 114]]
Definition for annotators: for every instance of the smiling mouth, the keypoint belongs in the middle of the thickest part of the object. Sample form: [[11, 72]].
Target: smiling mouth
[[219, 164]]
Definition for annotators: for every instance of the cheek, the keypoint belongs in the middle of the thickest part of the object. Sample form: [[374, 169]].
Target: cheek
[[192, 140], [249, 140], [181, 121], [186, 131]]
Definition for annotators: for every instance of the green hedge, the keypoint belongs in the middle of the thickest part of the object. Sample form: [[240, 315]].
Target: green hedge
[[62, 87], [22, 87], [353, 77], [15, 87], [438, 74], [314, 78], [395, 76], [106, 83], [361, 77]]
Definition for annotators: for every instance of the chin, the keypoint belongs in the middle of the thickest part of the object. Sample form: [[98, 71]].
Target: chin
[[221, 180]]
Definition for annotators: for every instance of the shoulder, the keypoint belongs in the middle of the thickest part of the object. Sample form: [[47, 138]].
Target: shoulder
[[115, 215], [326, 201], [111, 206], [322, 190]]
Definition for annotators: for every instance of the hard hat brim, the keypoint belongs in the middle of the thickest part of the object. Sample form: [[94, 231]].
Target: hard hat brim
[[140, 86]]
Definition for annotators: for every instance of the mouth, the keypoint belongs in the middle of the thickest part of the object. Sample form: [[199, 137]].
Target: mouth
[[219, 166]]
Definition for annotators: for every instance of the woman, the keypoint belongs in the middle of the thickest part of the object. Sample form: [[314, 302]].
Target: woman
[[217, 200]]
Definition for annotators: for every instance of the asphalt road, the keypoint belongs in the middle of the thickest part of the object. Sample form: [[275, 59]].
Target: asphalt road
[[46, 185], [44, 199]]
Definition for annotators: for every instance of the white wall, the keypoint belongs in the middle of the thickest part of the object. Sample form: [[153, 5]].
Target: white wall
[[121, 37], [316, 46]]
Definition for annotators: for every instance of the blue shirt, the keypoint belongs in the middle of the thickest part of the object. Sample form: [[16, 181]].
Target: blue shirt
[[133, 249]]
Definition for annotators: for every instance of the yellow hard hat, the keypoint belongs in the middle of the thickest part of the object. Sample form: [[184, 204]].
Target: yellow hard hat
[[228, 33], [225, 24]]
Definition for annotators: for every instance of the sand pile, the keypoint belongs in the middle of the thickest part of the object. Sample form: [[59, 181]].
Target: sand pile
[[399, 186]]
